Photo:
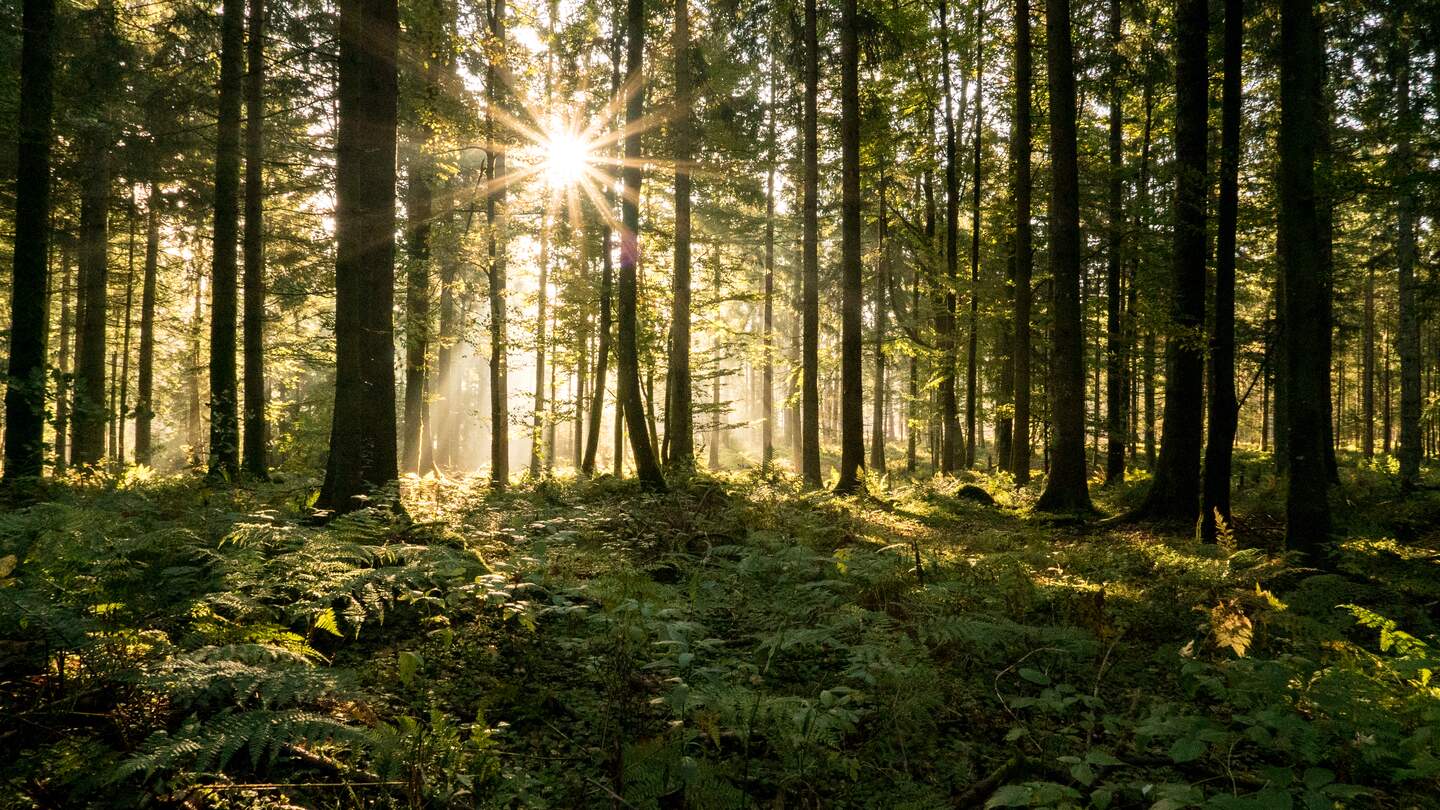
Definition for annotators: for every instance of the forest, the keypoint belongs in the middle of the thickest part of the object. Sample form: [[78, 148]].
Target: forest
[[720, 404]]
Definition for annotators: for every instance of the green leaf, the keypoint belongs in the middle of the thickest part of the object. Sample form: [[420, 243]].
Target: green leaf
[[1186, 749], [1035, 676], [409, 663], [1010, 796], [325, 620]]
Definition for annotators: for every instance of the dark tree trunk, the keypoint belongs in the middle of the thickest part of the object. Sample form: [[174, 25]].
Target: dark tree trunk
[[25, 385], [627, 352], [602, 351], [88, 438], [1142, 226], [62, 385], [852, 392], [1065, 488], [1367, 370], [418, 212], [127, 324], [498, 246], [1408, 340], [1175, 491], [971, 394], [255, 435], [810, 297], [945, 320], [679, 427], [1220, 429], [145, 383], [540, 417], [767, 430], [1020, 165], [1307, 505], [882, 281], [1114, 350], [224, 459], [362, 438]]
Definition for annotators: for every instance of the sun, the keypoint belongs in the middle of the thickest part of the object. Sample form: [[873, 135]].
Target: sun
[[567, 157]]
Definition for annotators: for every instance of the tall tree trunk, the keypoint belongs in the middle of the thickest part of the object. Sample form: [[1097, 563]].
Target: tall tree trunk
[[127, 322], [1307, 509], [1065, 488], [1408, 342], [627, 352], [1224, 410], [255, 434], [1175, 490], [362, 438], [25, 383], [145, 384], [602, 351], [497, 73], [418, 213], [810, 297], [1020, 136], [1142, 227], [88, 439], [767, 429], [540, 417], [852, 392], [193, 421], [945, 320], [679, 427], [62, 385], [882, 282], [224, 459], [1367, 367], [1114, 352], [972, 349]]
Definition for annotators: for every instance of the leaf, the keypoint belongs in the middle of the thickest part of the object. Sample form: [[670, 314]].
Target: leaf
[[325, 620], [1083, 773], [1035, 676], [409, 665], [1010, 796], [1186, 749], [7, 564]]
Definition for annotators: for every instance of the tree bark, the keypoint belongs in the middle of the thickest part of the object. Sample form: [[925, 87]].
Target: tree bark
[[145, 382], [971, 393], [1408, 338], [679, 427], [882, 282], [1114, 350], [224, 460], [767, 430], [362, 438], [25, 383], [1065, 488], [418, 213], [1367, 367], [255, 435], [852, 392], [498, 248], [602, 351], [62, 385], [1224, 410], [810, 295], [88, 409], [1020, 137], [945, 320]]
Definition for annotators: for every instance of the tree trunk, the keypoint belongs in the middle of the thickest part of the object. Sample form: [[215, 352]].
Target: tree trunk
[[1175, 490], [418, 213], [1220, 429], [88, 439], [224, 458], [1367, 367], [627, 352], [882, 282], [1408, 342], [945, 320], [852, 392], [1020, 166], [145, 384], [810, 297], [602, 351], [679, 427], [1114, 351], [256, 432], [127, 322], [767, 429], [26, 380], [62, 385], [971, 394], [498, 246], [362, 438], [1065, 488], [1307, 506]]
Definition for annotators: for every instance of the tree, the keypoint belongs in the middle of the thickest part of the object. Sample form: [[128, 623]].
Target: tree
[[1307, 510], [974, 337], [1175, 491], [145, 382], [1065, 488], [627, 351], [255, 436], [1220, 429], [1020, 166], [852, 393], [945, 319], [496, 73], [25, 384], [810, 274], [1407, 343], [1114, 350], [362, 433], [679, 427], [607, 271], [224, 462]]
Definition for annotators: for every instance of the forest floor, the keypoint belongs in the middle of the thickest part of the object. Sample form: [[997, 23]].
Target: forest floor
[[733, 643]]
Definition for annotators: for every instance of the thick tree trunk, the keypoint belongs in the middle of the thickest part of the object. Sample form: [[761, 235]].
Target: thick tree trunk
[[1220, 429], [1114, 350], [224, 457], [627, 352], [418, 212], [1020, 136], [498, 246], [950, 438], [25, 384], [362, 438], [679, 427], [1307, 505], [255, 435], [810, 297], [1175, 491], [88, 414], [852, 392], [1065, 488]]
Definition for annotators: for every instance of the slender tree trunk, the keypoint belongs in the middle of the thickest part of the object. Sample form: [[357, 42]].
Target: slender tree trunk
[[193, 422], [971, 395], [1307, 505], [1367, 371], [256, 433], [767, 429], [1408, 342], [145, 384], [25, 383], [627, 351], [810, 297], [1065, 488], [418, 213], [679, 427], [362, 438], [945, 320], [1114, 353], [1020, 136], [882, 282], [1224, 410], [602, 351], [497, 220], [1174, 492], [852, 392], [62, 385], [88, 439], [127, 321], [224, 459]]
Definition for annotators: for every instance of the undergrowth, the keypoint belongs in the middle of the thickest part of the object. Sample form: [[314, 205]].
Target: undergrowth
[[734, 643]]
